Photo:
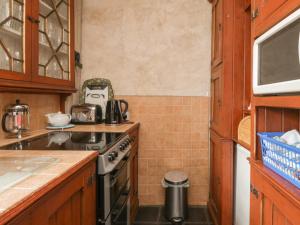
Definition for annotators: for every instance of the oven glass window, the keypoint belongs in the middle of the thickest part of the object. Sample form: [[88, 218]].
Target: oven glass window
[[279, 56]]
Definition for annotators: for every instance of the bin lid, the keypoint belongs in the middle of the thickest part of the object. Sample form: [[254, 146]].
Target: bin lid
[[176, 177]]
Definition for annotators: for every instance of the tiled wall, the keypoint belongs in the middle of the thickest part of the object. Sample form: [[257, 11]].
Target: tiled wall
[[173, 135], [40, 104]]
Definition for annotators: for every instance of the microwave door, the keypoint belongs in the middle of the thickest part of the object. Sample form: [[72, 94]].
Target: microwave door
[[276, 58]]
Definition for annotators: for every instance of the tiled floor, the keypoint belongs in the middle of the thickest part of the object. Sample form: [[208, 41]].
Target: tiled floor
[[154, 215]]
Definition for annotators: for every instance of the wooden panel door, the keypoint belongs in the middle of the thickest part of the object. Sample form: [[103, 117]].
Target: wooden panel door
[[53, 42], [221, 179], [266, 13], [265, 8], [15, 39], [220, 104], [217, 33], [71, 203], [268, 205], [134, 200], [215, 176]]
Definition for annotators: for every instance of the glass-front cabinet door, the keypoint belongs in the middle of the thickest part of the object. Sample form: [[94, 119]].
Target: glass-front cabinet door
[[14, 40], [54, 42]]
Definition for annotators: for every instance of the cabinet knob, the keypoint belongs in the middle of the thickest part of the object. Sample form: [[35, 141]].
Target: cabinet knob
[[254, 191], [254, 13], [91, 180], [33, 20]]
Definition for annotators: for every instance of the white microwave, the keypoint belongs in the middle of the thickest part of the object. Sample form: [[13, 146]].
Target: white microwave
[[276, 58]]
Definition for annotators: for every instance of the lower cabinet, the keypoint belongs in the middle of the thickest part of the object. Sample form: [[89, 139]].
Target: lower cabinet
[[134, 200], [269, 204], [220, 203], [71, 203]]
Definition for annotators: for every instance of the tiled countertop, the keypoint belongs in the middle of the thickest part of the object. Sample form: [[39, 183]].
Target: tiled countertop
[[24, 174]]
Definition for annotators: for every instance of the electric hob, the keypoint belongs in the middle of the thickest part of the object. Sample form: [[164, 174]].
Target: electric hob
[[66, 140]]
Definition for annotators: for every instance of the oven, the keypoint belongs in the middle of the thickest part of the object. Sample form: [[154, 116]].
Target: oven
[[113, 194]]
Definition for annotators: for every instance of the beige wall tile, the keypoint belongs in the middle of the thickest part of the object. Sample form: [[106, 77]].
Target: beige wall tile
[[40, 104], [168, 142]]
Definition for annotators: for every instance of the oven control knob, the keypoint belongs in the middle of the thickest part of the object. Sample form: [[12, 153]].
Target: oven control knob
[[110, 157], [122, 147], [114, 154]]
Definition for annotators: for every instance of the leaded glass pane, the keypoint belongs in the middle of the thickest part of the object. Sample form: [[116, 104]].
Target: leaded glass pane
[[12, 35], [54, 39]]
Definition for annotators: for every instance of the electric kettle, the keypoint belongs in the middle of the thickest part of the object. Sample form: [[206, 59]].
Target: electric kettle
[[115, 114], [16, 119]]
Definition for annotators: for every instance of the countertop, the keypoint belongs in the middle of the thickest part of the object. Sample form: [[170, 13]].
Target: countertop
[[78, 128], [25, 176]]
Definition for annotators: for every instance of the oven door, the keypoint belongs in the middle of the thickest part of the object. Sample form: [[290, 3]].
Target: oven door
[[111, 188], [120, 214]]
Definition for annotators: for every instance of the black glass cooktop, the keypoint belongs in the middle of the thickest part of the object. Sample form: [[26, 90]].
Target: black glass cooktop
[[64, 140]]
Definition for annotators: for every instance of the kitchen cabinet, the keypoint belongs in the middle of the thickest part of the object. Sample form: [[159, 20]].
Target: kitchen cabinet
[[70, 203], [134, 200], [271, 202], [230, 98], [37, 45], [217, 34], [266, 13], [221, 179]]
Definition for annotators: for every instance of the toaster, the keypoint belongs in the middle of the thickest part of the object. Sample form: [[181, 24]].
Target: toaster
[[86, 114]]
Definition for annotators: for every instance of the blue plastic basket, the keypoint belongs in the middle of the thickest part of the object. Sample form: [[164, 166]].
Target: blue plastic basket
[[282, 158]]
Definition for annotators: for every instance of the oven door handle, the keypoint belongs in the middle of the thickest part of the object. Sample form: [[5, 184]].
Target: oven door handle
[[117, 213], [117, 172]]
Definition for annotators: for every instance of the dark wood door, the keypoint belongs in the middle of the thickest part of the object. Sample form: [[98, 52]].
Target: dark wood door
[[15, 40], [217, 33]]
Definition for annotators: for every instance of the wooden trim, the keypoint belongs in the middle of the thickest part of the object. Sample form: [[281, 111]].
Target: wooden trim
[[277, 101], [28, 86]]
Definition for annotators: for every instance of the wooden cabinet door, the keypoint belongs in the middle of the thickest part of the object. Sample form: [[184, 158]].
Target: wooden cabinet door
[[134, 200], [266, 13], [220, 104], [215, 176], [71, 203], [221, 179], [15, 39], [217, 33], [268, 205], [53, 42], [265, 8]]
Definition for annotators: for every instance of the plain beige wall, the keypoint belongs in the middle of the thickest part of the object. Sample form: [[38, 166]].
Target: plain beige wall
[[148, 47]]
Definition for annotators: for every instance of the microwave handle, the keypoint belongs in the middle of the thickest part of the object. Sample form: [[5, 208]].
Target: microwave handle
[[299, 48]]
